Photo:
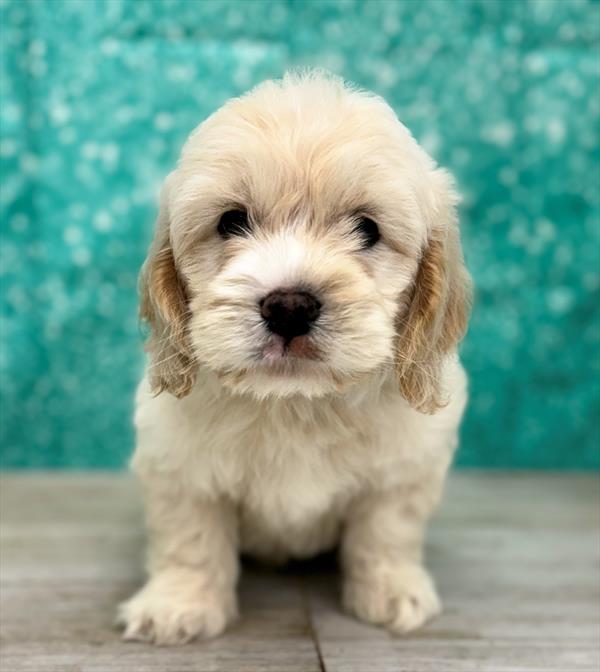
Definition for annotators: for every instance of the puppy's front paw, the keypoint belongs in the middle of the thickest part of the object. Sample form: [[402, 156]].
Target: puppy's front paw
[[400, 597], [169, 611]]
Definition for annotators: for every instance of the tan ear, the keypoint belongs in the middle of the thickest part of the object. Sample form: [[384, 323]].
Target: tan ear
[[164, 306], [438, 312]]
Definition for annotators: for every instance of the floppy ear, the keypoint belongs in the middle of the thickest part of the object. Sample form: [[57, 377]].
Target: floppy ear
[[164, 306], [438, 308]]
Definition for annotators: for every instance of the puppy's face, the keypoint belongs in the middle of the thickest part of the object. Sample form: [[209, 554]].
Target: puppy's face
[[290, 244]]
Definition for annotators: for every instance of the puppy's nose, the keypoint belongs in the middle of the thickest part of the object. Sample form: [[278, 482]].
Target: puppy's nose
[[289, 313]]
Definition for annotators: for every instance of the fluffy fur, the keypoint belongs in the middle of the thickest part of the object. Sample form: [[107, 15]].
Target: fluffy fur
[[347, 440]]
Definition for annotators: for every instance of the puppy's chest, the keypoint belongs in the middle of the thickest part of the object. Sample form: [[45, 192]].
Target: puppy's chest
[[292, 470], [284, 476], [293, 506], [297, 473]]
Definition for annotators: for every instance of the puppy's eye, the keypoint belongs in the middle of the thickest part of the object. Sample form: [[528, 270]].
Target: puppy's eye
[[233, 223], [368, 230]]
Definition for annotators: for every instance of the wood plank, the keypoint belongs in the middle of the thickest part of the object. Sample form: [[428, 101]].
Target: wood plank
[[516, 558], [71, 550]]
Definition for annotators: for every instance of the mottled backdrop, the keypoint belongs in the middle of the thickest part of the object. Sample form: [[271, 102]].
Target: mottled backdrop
[[98, 96]]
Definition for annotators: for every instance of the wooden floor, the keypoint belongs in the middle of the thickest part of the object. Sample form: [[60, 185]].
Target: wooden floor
[[516, 558]]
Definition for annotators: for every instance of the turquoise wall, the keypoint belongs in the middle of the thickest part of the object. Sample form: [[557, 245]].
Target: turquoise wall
[[98, 96]]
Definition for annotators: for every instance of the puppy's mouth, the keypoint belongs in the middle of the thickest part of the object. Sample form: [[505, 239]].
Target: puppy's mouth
[[280, 350]]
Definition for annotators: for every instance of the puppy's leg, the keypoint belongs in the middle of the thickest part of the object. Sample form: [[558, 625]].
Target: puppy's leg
[[193, 568], [385, 581]]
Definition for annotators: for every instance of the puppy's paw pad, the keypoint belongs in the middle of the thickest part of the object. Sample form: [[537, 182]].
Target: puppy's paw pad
[[401, 598], [170, 619]]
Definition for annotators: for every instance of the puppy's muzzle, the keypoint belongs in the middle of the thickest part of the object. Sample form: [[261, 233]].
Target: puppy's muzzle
[[289, 313]]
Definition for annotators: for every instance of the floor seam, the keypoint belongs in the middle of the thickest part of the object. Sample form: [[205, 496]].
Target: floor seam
[[311, 627]]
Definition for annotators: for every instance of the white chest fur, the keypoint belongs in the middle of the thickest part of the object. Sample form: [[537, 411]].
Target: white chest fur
[[291, 466]]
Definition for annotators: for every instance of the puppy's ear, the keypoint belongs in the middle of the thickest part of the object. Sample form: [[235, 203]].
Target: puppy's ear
[[164, 306], [438, 309]]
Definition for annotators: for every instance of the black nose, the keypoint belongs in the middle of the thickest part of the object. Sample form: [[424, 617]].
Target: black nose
[[289, 313]]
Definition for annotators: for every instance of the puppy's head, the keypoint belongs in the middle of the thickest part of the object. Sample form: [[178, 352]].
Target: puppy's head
[[305, 242]]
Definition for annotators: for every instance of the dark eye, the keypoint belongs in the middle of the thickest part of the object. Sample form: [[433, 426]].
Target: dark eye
[[233, 223], [368, 230]]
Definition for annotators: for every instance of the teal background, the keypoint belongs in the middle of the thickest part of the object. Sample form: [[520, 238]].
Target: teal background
[[98, 96]]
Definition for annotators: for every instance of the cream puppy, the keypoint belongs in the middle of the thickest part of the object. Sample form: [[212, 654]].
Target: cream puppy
[[305, 292]]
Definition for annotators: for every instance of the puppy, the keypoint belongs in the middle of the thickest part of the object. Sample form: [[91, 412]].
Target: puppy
[[305, 293]]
